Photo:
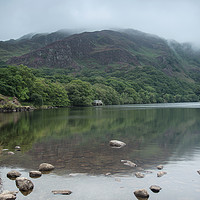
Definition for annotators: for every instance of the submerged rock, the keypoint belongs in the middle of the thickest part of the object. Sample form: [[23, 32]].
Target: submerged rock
[[155, 188], [129, 163], [160, 167], [117, 143], [24, 184], [159, 174], [46, 167], [63, 192], [139, 175], [10, 153], [13, 174], [35, 174], [142, 193]]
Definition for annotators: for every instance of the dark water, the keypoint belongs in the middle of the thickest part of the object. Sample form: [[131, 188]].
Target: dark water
[[75, 141]]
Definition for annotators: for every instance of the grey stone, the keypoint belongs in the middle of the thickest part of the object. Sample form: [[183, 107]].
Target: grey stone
[[63, 192], [117, 143], [142, 193], [159, 174], [8, 195], [24, 184], [160, 167], [155, 188], [18, 148], [129, 163], [10, 153], [139, 175], [46, 167], [35, 174], [13, 174]]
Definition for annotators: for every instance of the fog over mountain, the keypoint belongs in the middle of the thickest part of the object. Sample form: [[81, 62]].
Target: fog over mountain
[[172, 19]]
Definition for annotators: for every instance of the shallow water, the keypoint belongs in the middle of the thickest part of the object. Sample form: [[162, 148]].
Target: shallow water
[[75, 140]]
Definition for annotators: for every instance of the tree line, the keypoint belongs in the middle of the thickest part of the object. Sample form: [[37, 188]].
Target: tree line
[[53, 87]]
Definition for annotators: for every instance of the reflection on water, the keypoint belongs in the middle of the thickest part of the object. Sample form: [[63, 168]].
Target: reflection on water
[[75, 140]]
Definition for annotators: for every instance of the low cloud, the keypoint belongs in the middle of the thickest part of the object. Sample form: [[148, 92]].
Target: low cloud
[[172, 19]]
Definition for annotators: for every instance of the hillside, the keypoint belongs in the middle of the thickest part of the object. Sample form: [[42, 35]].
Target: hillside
[[112, 50], [133, 66], [28, 43]]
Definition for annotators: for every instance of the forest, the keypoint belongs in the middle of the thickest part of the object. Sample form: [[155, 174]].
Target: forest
[[58, 88]]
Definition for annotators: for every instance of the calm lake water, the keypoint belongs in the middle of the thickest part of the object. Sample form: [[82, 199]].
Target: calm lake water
[[76, 142]]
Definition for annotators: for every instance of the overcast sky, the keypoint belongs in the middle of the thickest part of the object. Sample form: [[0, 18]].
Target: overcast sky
[[171, 19]]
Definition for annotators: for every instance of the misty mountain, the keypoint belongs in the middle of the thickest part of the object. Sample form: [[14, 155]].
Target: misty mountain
[[107, 51]]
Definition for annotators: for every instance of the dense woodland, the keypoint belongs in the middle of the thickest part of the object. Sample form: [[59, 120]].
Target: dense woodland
[[40, 87], [128, 67]]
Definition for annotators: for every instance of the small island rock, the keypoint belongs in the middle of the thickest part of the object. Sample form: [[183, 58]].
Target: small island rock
[[63, 192], [198, 171], [24, 184], [160, 167], [155, 188], [46, 167], [35, 174], [142, 193], [159, 174], [117, 143], [13, 174], [139, 175]]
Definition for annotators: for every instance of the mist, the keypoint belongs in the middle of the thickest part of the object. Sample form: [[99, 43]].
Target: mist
[[172, 19]]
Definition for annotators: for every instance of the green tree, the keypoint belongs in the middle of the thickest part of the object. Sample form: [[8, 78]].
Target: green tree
[[80, 93]]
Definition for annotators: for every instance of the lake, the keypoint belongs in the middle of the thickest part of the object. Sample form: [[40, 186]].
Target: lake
[[76, 142]]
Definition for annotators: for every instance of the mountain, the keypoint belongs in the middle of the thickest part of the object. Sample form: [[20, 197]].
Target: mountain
[[108, 50], [29, 42], [116, 66]]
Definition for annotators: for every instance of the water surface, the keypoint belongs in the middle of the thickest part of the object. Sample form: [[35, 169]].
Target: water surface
[[75, 140]]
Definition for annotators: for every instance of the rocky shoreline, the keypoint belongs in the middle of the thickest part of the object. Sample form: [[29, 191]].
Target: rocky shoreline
[[16, 109]]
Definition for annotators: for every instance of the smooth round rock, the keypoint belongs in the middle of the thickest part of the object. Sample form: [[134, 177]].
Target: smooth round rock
[[117, 143], [142, 193], [155, 188], [13, 174], [46, 167], [159, 174], [8, 195], [24, 184], [18, 148], [160, 167], [35, 174], [139, 175], [10, 153]]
